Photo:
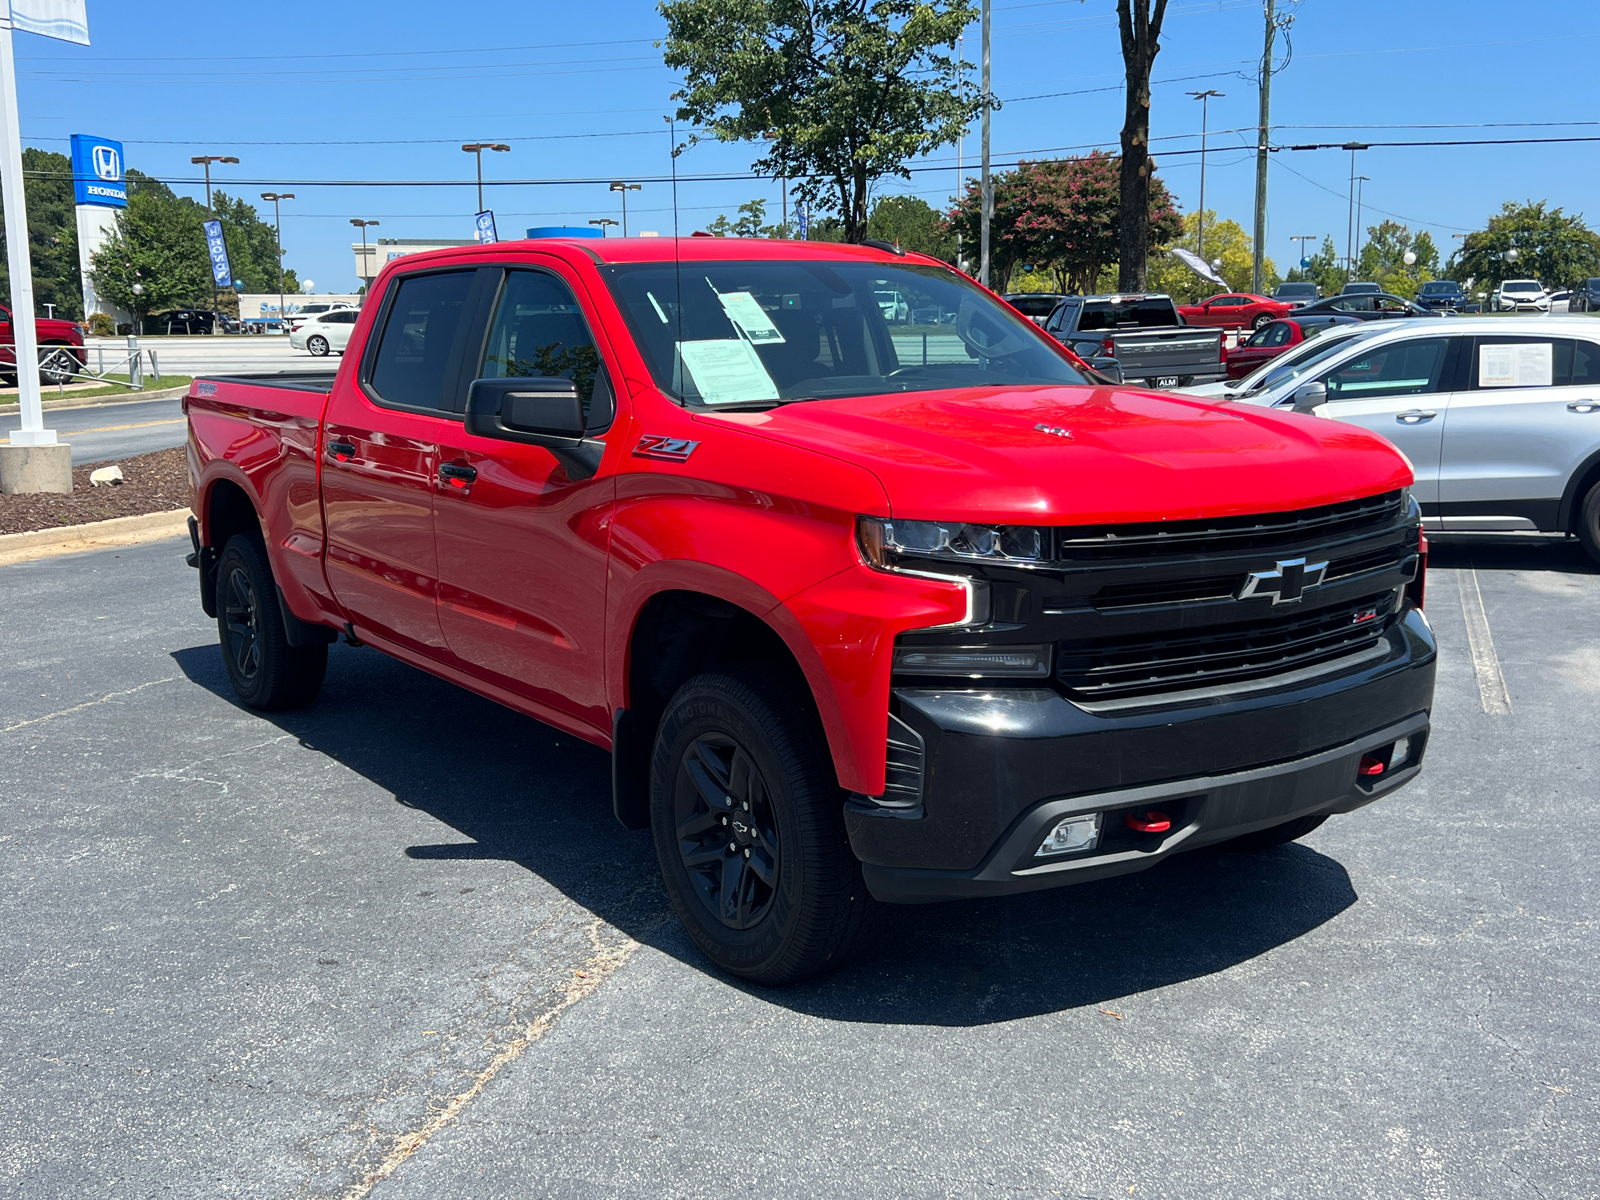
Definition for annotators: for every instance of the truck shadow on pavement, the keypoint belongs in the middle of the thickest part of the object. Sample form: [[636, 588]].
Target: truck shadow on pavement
[[1510, 554], [522, 792]]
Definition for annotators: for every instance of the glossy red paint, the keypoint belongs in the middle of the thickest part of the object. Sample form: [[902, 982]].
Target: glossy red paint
[[47, 331], [1233, 310], [527, 585], [1262, 346]]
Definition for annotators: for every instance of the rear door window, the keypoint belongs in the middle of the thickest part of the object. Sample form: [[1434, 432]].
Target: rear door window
[[1410, 368], [414, 352], [1524, 362]]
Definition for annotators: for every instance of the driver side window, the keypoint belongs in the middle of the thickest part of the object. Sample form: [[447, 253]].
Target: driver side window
[[1410, 368], [539, 331]]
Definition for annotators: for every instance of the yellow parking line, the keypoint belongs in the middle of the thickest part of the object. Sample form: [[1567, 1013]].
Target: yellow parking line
[[114, 428]]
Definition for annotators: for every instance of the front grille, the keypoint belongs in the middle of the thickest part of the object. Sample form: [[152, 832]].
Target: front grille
[[1216, 587], [1259, 531], [1120, 668]]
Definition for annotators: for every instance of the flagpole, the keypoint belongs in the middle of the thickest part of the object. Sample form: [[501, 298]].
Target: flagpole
[[24, 334]]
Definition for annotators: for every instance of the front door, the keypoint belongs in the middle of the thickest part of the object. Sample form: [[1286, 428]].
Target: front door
[[523, 534], [1530, 415], [380, 456], [1400, 390]]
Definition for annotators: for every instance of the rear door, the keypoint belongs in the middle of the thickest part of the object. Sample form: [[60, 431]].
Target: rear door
[[1530, 415], [1400, 390], [380, 456], [523, 533]]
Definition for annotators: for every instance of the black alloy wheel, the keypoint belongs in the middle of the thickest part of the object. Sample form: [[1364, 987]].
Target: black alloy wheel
[[727, 833], [265, 671], [748, 821]]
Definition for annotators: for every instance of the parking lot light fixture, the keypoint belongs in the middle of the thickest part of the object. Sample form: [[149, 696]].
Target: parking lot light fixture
[[366, 280], [602, 222], [277, 225], [476, 149], [625, 188], [205, 160], [1205, 99]]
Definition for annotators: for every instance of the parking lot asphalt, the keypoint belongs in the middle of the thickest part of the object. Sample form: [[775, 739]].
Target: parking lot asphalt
[[394, 945], [103, 432]]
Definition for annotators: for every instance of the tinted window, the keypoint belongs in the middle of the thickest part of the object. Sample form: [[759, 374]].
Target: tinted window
[[1397, 369], [341, 318], [418, 334], [1567, 362], [1353, 304], [539, 331], [1144, 314], [1296, 290], [1585, 365], [1277, 334], [1228, 301], [765, 332], [1033, 306]]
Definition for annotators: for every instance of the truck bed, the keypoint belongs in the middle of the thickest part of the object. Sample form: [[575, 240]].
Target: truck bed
[[295, 381]]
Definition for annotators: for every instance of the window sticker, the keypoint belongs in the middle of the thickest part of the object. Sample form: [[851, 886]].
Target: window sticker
[[1530, 365], [745, 311], [727, 371]]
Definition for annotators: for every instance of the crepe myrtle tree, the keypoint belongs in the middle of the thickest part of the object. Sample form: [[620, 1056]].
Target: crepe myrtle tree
[[839, 93]]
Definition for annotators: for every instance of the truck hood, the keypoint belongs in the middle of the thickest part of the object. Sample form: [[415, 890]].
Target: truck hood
[[1127, 456]]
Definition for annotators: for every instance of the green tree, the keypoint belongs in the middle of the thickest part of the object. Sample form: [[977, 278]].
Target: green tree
[[1326, 270], [912, 224], [749, 223], [159, 246], [52, 235], [1063, 215], [842, 93], [1225, 240], [252, 246], [1551, 247], [1382, 258]]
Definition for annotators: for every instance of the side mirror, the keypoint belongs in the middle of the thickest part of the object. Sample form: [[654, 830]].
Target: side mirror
[[540, 412], [1309, 397]]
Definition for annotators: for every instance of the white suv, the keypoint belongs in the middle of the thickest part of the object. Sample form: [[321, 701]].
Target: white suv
[[1500, 419], [1524, 295]]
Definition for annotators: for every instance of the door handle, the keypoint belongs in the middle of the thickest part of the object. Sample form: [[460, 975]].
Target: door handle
[[341, 451], [457, 476], [1415, 416], [1584, 406]]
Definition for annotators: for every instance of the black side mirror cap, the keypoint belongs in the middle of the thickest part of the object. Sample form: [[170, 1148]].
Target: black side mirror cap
[[540, 412]]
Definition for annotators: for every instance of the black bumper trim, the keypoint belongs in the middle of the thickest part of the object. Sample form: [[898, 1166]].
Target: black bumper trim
[[1225, 806]]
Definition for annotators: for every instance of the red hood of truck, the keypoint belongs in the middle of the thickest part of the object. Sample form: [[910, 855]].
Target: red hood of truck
[[1132, 456]]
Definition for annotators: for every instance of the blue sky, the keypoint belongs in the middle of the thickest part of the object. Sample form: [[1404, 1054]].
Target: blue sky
[[367, 91]]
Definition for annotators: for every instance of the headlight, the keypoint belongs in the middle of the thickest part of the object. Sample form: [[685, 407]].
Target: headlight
[[883, 542]]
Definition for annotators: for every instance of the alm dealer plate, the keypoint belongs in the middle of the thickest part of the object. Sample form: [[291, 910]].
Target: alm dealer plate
[[1164, 381]]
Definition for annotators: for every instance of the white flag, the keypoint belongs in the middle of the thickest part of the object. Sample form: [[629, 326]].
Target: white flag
[[64, 19], [1197, 264]]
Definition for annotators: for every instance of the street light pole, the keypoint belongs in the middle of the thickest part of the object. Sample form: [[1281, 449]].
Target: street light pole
[[476, 149], [1205, 104], [1350, 221], [625, 188], [1360, 179], [205, 160], [986, 185], [277, 225], [366, 280], [1303, 238], [602, 222]]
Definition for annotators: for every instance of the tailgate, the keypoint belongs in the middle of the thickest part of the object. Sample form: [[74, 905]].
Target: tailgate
[[1160, 352]]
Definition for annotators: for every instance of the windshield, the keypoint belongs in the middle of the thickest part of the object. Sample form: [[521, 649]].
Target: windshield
[[1521, 285], [1297, 289], [1296, 361], [1034, 306], [758, 333], [1438, 288]]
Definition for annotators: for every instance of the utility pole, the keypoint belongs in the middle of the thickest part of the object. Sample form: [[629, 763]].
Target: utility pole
[[987, 183], [625, 188], [1360, 179], [476, 149], [277, 225], [205, 160], [1350, 221], [1205, 104], [366, 280], [1259, 248]]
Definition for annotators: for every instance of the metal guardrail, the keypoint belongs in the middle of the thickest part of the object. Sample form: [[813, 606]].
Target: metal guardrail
[[62, 365]]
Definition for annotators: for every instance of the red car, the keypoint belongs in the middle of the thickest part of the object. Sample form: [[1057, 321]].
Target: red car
[[60, 348], [859, 615], [1274, 338], [1234, 310]]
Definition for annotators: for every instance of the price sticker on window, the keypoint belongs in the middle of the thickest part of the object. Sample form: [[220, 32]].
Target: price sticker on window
[[745, 311]]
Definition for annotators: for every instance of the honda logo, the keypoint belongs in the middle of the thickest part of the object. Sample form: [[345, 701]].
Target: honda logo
[[1286, 583], [107, 163]]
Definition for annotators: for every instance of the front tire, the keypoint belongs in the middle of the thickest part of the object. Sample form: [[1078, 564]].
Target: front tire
[[1262, 321], [318, 346], [1589, 523], [748, 824], [266, 672]]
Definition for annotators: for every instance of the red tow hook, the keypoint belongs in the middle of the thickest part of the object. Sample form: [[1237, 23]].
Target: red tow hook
[[1150, 822], [1371, 764]]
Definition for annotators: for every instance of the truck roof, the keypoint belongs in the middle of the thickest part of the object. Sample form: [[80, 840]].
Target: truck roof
[[666, 249]]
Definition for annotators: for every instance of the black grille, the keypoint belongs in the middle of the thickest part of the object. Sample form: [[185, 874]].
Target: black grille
[[903, 785], [1261, 531], [1217, 587], [1119, 668]]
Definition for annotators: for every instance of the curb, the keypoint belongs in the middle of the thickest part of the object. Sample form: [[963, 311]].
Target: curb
[[7, 403], [96, 535]]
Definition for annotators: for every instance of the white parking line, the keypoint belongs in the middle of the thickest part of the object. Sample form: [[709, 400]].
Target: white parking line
[[1492, 691]]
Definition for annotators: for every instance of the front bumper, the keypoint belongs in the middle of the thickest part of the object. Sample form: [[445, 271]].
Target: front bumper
[[1002, 766]]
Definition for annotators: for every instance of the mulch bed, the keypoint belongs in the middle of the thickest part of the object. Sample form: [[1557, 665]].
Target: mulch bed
[[155, 482]]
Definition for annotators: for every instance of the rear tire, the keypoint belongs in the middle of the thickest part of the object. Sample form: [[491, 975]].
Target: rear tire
[[748, 824], [1266, 839], [1262, 321], [266, 672], [63, 366], [318, 346], [1589, 523]]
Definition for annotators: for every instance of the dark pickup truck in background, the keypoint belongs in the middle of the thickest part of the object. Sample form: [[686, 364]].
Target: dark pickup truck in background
[[1139, 339]]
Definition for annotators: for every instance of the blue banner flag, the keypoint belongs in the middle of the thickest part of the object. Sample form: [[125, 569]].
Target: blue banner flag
[[221, 271], [485, 226]]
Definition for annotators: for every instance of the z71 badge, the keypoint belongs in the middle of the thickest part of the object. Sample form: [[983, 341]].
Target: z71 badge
[[668, 449]]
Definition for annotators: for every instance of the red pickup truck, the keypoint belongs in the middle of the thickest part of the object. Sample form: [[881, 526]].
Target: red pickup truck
[[864, 609], [60, 348]]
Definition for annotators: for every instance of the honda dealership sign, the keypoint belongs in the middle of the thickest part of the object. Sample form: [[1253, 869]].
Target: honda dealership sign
[[97, 172]]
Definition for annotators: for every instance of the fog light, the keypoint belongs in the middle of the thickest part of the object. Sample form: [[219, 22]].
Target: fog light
[[1402, 751], [1072, 835]]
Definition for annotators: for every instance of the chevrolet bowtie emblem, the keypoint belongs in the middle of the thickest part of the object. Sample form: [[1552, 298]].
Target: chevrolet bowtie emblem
[[1286, 583]]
